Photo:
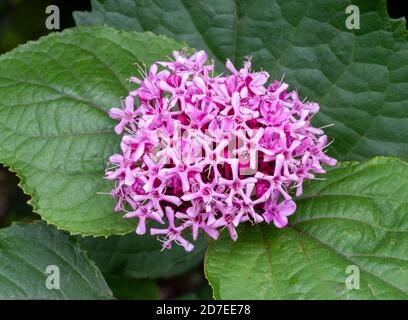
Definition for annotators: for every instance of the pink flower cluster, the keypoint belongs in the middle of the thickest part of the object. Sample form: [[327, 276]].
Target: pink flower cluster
[[205, 152]]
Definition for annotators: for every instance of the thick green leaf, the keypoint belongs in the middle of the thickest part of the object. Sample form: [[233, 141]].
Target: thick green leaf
[[358, 216], [360, 77], [135, 256], [26, 250], [54, 127], [203, 293]]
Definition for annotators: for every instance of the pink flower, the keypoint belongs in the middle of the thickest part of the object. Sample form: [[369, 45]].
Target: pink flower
[[195, 219], [143, 213], [202, 153]]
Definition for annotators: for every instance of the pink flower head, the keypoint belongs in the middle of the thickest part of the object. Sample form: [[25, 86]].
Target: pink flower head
[[205, 153]]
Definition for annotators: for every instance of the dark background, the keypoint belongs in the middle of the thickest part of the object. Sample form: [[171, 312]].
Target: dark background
[[24, 20]]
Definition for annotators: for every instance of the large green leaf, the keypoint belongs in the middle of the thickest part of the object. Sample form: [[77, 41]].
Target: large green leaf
[[134, 256], [26, 250], [360, 77], [54, 127], [358, 216]]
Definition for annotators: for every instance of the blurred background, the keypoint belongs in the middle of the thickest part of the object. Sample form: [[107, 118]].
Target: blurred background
[[24, 20], [21, 21]]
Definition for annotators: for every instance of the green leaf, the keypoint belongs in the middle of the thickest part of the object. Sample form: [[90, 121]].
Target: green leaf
[[134, 256], [26, 250], [132, 289], [359, 77], [358, 216], [54, 127], [203, 293]]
